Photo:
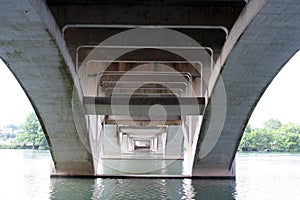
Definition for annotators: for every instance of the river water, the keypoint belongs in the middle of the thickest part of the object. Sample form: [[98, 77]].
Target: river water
[[24, 174]]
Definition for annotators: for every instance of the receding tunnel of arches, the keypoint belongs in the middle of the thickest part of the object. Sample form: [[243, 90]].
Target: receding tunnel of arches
[[15, 108], [153, 100]]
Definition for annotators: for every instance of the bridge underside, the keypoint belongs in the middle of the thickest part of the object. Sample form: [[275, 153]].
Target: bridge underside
[[128, 49], [143, 94]]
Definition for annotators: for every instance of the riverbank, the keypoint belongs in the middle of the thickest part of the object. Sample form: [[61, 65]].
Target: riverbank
[[14, 146]]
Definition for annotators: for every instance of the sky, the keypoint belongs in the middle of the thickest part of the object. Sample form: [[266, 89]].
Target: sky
[[280, 101], [14, 104]]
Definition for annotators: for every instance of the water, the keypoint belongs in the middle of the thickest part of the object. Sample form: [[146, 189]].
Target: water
[[24, 174]]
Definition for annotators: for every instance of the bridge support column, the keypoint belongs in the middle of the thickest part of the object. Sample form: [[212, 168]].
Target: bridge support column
[[214, 170], [34, 50], [72, 169]]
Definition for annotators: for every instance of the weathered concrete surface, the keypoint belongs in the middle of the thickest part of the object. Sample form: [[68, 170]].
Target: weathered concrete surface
[[268, 42], [179, 13], [154, 12], [32, 55]]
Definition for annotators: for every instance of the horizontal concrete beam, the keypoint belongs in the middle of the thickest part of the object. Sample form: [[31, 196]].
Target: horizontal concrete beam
[[144, 106], [149, 2], [127, 12]]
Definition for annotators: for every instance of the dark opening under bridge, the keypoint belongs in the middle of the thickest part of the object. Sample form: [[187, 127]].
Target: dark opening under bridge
[[149, 82]]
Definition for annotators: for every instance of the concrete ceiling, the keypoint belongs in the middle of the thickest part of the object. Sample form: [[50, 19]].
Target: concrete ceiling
[[147, 2]]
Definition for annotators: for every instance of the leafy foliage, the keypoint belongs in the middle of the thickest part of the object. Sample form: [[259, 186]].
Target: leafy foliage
[[32, 135], [274, 136]]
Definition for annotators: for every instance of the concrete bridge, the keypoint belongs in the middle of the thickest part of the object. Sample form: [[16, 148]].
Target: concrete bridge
[[146, 83]]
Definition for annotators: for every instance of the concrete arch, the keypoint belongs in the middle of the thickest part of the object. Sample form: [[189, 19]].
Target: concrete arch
[[262, 43], [33, 57]]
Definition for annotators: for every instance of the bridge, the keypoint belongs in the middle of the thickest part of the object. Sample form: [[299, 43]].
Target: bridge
[[138, 85]]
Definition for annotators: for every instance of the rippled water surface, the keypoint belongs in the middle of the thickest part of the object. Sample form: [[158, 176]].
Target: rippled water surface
[[25, 175]]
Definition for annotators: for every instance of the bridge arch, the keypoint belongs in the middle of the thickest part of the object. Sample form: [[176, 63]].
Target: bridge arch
[[259, 53], [33, 57]]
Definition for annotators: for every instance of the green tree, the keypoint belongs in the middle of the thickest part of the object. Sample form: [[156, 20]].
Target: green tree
[[32, 134], [274, 136], [245, 143], [272, 124]]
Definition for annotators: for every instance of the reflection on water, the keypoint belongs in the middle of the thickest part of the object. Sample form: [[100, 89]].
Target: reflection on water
[[142, 189], [268, 176], [25, 175]]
